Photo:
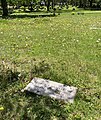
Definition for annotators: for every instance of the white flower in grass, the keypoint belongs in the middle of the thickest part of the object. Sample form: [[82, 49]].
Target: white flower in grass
[[26, 37], [98, 40], [19, 75], [26, 45], [19, 36], [77, 40]]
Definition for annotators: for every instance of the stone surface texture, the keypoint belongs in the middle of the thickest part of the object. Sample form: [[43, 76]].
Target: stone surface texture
[[52, 89]]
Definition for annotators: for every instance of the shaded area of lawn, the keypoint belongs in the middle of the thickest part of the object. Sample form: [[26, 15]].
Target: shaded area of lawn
[[29, 16]]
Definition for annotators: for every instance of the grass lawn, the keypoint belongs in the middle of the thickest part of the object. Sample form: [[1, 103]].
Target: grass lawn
[[66, 49]]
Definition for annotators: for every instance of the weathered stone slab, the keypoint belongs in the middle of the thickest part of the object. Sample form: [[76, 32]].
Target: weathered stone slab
[[52, 89]]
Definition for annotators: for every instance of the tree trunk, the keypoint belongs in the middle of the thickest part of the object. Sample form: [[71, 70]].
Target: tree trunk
[[48, 5], [4, 6], [52, 4], [84, 4], [80, 3], [91, 3]]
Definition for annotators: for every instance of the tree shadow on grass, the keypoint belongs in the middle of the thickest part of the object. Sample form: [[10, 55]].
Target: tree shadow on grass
[[30, 106], [27, 16], [43, 108]]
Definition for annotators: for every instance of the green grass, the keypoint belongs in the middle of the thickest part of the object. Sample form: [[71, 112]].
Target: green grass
[[66, 49]]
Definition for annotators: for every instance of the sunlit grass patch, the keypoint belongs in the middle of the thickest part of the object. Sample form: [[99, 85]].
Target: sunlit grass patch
[[62, 49]]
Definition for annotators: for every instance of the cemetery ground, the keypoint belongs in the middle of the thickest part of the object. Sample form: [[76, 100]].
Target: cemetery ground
[[66, 49]]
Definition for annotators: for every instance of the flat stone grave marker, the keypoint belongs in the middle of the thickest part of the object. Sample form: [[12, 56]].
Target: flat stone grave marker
[[52, 89]]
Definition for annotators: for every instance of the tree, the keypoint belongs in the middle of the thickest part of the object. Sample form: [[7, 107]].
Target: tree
[[4, 7], [90, 1], [48, 5]]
